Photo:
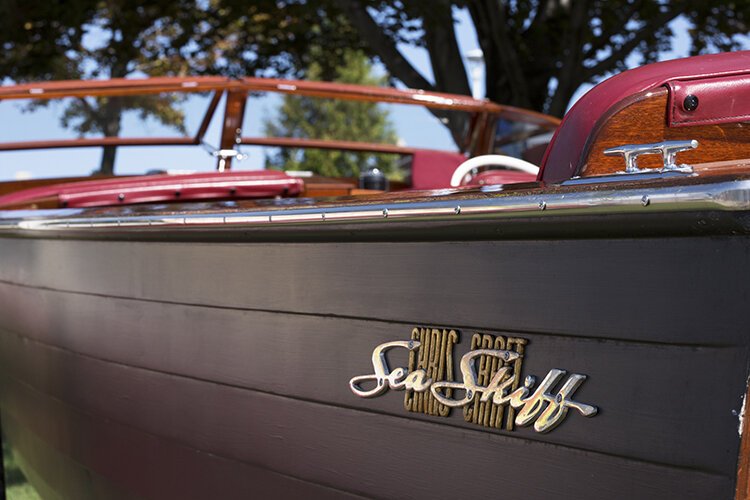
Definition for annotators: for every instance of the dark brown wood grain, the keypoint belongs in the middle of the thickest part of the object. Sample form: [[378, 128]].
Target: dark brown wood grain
[[231, 343], [123, 462], [541, 286], [643, 120], [197, 363], [361, 452]]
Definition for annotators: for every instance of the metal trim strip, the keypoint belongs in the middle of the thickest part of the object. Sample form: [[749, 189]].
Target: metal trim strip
[[724, 196]]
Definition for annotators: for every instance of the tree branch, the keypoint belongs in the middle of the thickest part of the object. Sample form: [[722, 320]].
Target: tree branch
[[491, 24], [384, 46], [572, 57], [542, 10], [626, 48], [447, 63], [445, 57], [604, 38]]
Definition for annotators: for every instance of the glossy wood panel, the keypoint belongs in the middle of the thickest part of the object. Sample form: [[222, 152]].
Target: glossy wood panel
[[643, 120]]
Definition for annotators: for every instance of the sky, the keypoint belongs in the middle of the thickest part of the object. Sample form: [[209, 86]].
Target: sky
[[415, 126]]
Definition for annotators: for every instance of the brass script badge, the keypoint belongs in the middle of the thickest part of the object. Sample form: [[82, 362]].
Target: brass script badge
[[490, 375]]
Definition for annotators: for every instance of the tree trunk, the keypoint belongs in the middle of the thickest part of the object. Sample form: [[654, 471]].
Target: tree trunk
[[111, 115], [107, 165], [399, 67]]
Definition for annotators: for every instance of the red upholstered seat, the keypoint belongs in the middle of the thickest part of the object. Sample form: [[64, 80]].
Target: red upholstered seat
[[432, 169], [160, 188]]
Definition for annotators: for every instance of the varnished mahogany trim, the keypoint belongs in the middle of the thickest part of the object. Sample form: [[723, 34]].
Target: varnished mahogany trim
[[642, 119], [301, 142], [231, 129], [334, 90], [207, 117], [89, 142], [616, 127], [237, 91]]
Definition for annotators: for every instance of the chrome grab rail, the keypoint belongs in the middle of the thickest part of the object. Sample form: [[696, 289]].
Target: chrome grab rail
[[668, 150]]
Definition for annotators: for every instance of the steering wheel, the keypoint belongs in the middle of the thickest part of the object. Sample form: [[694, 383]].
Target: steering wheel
[[491, 161]]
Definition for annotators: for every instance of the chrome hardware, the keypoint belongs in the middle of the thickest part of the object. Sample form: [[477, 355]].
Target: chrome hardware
[[668, 150], [223, 154], [731, 196], [536, 404]]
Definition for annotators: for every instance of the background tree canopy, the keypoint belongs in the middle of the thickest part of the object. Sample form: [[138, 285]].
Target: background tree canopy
[[537, 52], [314, 118]]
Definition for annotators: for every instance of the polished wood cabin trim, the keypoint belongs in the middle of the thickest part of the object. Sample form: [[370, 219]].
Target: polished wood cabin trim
[[642, 119], [334, 90], [231, 129], [92, 142], [7, 187], [302, 142], [480, 135]]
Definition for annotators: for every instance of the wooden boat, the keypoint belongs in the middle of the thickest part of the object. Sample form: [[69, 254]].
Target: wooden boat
[[233, 335]]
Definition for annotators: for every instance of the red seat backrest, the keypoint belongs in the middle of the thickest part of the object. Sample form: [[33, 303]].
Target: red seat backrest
[[432, 169]]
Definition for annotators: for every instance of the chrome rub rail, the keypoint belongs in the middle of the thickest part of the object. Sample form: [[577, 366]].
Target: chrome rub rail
[[724, 196]]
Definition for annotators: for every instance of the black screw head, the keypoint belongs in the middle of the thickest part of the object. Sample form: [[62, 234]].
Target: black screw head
[[690, 103]]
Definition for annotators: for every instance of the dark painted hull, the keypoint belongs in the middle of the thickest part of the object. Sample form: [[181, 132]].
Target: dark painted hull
[[220, 369]]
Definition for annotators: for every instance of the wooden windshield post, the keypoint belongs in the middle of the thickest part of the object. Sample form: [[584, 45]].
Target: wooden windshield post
[[231, 130]]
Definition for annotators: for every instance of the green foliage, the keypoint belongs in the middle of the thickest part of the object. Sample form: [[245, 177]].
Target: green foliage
[[315, 118], [125, 38], [83, 39], [15, 482], [270, 38], [537, 52]]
